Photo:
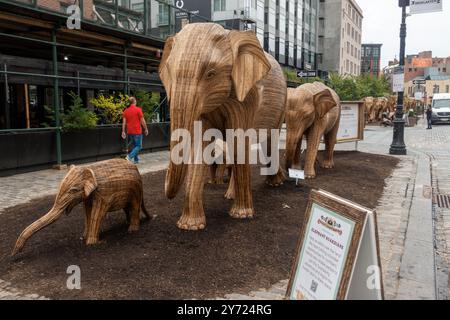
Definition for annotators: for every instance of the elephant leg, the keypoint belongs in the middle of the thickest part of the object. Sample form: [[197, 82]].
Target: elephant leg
[[330, 142], [99, 210], [298, 149], [193, 216], [134, 212], [220, 173], [313, 140], [278, 178], [213, 175], [230, 194], [243, 202], [88, 211]]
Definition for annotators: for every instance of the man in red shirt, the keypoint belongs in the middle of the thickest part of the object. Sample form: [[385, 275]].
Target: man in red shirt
[[133, 122]]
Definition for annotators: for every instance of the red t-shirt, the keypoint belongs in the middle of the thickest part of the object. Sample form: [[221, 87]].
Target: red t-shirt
[[133, 115]]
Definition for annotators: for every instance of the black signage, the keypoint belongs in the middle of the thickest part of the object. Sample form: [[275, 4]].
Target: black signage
[[306, 74], [419, 81], [200, 12]]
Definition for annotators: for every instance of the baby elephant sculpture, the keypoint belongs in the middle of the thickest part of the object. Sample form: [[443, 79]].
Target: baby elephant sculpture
[[103, 187], [313, 110]]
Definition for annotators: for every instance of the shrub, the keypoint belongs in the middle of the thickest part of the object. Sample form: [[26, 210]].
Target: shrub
[[77, 117], [110, 108], [149, 102]]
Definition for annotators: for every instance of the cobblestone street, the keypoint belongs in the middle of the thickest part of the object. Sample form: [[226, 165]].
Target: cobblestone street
[[414, 226]]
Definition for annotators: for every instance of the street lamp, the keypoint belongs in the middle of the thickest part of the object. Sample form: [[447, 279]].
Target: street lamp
[[398, 144]]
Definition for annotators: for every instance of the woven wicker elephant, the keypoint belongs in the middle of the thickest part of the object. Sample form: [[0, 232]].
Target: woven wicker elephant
[[103, 187], [313, 110], [224, 80]]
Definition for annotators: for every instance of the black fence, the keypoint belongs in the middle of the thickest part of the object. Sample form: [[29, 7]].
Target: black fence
[[27, 150]]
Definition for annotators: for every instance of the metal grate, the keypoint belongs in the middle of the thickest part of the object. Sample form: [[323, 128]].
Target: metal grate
[[442, 201]]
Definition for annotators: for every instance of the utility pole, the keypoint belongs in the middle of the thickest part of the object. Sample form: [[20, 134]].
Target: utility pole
[[398, 144]]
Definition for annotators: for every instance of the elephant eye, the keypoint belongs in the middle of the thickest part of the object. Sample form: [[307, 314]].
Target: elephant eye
[[73, 190], [210, 74]]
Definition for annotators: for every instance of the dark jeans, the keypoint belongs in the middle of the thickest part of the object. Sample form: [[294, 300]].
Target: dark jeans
[[429, 123], [136, 139]]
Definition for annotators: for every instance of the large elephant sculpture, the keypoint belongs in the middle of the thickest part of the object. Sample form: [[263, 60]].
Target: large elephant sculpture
[[225, 80], [313, 110], [103, 187]]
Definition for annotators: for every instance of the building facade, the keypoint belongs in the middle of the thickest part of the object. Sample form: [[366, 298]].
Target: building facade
[[340, 32], [371, 59], [287, 29]]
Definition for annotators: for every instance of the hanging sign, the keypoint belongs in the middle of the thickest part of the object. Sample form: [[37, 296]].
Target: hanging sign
[[337, 255], [425, 6]]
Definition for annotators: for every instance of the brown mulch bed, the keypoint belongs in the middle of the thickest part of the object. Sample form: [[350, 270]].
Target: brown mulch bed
[[163, 262]]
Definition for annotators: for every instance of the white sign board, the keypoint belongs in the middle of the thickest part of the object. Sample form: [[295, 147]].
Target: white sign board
[[425, 6], [338, 254], [398, 82], [297, 174], [418, 96], [349, 122]]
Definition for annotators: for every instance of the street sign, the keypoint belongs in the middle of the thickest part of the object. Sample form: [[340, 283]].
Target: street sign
[[419, 81], [306, 74], [418, 96], [398, 80], [425, 6]]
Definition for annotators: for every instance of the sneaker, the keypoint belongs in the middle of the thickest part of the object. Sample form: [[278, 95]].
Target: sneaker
[[128, 159]]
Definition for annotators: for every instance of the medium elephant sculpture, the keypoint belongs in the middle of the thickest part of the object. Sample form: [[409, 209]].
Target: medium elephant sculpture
[[103, 187], [313, 110], [224, 80]]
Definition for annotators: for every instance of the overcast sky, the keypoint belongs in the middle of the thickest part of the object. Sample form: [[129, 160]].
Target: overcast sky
[[427, 31]]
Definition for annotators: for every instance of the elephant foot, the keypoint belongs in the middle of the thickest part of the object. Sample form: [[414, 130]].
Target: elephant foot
[[327, 164], [132, 229], [276, 180], [191, 223], [94, 241], [241, 213], [310, 174]]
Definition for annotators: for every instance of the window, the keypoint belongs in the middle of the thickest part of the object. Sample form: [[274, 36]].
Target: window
[[447, 88], [219, 5], [435, 88]]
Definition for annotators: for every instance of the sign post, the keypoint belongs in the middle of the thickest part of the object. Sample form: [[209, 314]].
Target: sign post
[[351, 125], [337, 255]]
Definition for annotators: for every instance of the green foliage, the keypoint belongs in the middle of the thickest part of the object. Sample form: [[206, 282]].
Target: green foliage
[[49, 116], [352, 88], [149, 102], [77, 117], [110, 108]]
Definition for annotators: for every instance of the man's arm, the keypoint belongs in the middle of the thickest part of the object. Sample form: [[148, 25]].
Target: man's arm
[[124, 126], [144, 125]]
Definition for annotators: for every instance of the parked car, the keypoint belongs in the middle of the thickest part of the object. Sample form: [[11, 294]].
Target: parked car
[[441, 108]]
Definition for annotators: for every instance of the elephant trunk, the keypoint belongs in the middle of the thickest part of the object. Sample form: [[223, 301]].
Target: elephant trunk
[[39, 224], [174, 179], [292, 141]]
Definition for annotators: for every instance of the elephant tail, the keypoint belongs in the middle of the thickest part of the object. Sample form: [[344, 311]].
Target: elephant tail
[[144, 210]]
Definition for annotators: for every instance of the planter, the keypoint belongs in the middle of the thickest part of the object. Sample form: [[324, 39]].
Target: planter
[[412, 121], [28, 150]]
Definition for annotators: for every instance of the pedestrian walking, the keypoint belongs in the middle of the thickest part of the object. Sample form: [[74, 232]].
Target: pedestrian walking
[[133, 122], [429, 113]]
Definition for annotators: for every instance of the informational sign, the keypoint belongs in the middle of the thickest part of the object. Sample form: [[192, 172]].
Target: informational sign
[[200, 12], [337, 256], [425, 6], [306, 74], [398, 82], [297, 174], [419, 82], [351, 125], [418, 96]]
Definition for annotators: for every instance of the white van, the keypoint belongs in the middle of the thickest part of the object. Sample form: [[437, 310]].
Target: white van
[[441, 108]]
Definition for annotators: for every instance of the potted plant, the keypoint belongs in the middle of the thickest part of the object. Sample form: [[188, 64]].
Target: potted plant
[[412, 118]]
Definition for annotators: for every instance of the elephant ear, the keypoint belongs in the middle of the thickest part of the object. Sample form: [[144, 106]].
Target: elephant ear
[[90, 182], [163, 70], [323, 99], [250, 64]]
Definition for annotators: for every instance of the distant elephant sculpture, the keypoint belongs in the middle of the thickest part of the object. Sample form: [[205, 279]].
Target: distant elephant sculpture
[[313, 110], [368, 106], [103, 187], [392, 104], [225, 80], [381, 108], [217, 170]]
